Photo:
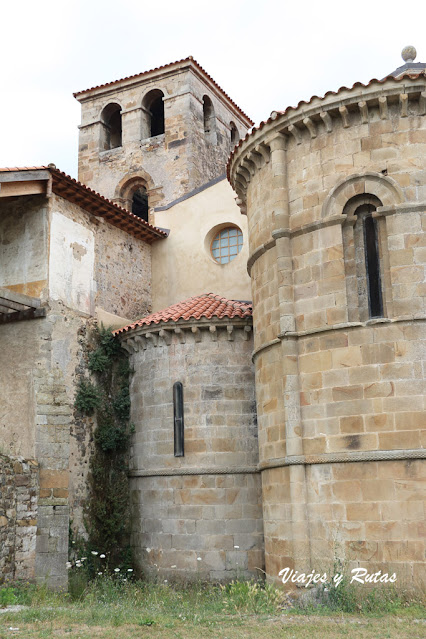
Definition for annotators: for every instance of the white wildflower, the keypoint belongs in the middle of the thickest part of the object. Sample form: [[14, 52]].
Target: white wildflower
[[116, 569], [95, 552], [129, 569], [68, 565], [99, 573], [165, 581], [102, 556]]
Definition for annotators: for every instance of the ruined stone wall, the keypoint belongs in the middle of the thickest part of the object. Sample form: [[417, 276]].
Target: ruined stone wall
[[117, 279], [341, 440], [91, 264], [197, 516], [169, 165], [18, 517]]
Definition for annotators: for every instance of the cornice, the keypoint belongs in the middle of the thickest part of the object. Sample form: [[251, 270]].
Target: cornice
[[153, 335], [346, 108]]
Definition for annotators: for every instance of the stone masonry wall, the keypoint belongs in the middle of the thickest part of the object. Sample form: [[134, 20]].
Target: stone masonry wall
[[119, 282], [341, 442], [48, 355], [199, 515], [171, 164], [18, 517]]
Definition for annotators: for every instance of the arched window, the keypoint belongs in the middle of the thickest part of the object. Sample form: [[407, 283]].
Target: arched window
[[235, 136], [111, 127], [140, 203], [372, 265], [154, 109], [209, 119], [362, 258], [178, 419]]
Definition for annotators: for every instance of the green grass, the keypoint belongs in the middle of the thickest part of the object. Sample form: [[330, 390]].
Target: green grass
[[108, 608]]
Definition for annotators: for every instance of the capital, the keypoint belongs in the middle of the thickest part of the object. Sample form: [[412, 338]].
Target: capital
[[278, 143]]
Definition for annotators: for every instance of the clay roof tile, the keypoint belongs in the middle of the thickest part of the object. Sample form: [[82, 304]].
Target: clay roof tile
[[254, 129], [74, 191], [207, 305], [190, 60]]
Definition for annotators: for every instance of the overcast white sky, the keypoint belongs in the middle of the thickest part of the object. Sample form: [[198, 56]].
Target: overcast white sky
[[266, 55]]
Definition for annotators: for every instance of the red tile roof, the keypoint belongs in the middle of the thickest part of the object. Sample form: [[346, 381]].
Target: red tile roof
[[252, 131], [92, 201], [189, 60], [206, 306]]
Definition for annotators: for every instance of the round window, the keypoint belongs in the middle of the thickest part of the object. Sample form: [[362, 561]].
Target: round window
[[227, 244]]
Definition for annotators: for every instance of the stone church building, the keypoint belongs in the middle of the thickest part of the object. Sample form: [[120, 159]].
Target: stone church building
[[274, 321]]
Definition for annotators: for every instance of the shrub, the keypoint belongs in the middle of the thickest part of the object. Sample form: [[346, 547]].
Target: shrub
[[88, 397]]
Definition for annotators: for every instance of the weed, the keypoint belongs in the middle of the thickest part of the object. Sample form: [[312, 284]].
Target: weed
[[88, 397], [251, 597], [146, 622], [352, 598], [7, 596]]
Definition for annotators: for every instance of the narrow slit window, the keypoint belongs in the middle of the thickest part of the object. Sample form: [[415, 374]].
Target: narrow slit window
[[372, 267], [178, 419]]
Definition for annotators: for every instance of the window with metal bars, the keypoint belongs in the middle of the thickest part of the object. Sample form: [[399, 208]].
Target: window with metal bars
[[226, 244]]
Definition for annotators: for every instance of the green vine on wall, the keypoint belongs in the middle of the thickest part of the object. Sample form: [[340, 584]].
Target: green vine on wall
[[106, 395]]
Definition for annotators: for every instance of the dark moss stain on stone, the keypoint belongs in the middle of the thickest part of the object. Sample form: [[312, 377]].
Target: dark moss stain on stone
[[353, 442]]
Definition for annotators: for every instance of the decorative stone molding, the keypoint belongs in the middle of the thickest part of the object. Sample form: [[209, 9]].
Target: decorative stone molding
[[331, 220], [173, 472], [273, 342], [405, 207], [382, 186], [344, 457], [344, 114], [132, 181], [156, 335], [363, 110], [286, 335], [347, 107]]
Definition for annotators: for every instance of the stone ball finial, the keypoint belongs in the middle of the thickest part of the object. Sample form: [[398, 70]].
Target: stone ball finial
[[408, 54]]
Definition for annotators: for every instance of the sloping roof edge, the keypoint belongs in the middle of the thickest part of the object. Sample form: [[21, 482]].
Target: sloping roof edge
[[190, 61], [274, 114], [199, 189], [93, 202]]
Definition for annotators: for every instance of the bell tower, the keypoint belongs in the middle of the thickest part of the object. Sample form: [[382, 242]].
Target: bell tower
[[152, 138]]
